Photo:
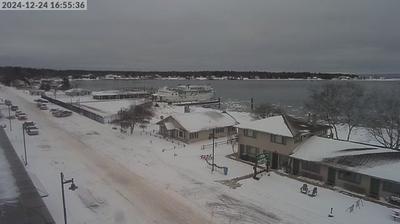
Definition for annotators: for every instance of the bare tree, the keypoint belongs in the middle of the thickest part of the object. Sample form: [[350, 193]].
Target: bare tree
[[384, 118], [351, 106], [135, 114], [337, 103]]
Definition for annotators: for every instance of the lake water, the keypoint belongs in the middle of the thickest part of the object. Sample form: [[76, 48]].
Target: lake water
[[288, 93]]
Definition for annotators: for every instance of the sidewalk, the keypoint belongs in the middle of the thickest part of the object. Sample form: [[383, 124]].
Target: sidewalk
[[28, 207]]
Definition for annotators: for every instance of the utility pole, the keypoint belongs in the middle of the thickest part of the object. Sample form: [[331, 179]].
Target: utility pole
[[23, 137], [213, 150], [9, 116]]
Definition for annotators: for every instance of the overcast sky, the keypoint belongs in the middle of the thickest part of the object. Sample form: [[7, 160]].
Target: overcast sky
[[361, 36]]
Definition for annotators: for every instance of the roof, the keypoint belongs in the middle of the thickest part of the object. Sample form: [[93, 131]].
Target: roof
[[366, 159], [77, 90], [319, 148], [273, 125], [117, 92], [199, 121]]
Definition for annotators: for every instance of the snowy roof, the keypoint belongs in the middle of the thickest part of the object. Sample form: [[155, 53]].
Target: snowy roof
[[198, 121], [318, 148], [116, 92], [169, 125], [273, 125], [77, 90], [361, 158]]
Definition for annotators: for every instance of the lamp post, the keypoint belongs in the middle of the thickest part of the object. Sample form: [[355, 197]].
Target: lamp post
[[23, 137], [72, 187], [213, 149]]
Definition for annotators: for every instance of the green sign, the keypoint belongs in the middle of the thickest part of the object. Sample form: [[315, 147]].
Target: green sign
[[262, 158]]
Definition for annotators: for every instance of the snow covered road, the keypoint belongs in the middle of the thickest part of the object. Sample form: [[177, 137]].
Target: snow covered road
[[145, 202]]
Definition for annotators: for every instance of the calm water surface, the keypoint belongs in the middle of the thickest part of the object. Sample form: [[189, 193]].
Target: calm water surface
[[283, 92]]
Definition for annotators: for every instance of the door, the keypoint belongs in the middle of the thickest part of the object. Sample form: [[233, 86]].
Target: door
[[296, 166], [374, 188], [331, 176], [274, 164]]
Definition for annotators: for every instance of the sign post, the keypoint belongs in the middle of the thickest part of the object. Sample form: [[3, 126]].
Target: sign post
[[261, 158]]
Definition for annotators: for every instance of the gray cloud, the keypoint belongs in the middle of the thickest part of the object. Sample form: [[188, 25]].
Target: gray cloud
[[277, 35]]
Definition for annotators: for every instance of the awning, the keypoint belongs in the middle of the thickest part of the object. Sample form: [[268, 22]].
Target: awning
[[169, 126]]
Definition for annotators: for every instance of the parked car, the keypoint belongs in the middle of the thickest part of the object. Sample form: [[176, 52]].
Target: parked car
[[41, 100], [17, 114], [32, 130], [61, 113], [14, 108], [43, 107], [66, 113], [22, 117], [54, 110], [29, 124]]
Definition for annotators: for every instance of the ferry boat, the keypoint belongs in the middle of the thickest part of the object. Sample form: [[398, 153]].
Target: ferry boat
[[184, 93]]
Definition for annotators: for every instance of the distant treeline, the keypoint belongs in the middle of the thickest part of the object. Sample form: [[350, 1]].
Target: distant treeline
[[9, 74]]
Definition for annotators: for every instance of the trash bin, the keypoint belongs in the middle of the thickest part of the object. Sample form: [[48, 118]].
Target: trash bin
[[225, 170]]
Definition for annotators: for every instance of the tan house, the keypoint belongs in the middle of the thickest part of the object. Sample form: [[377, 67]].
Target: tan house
[[196, 126], [276, 136], [361, 168]]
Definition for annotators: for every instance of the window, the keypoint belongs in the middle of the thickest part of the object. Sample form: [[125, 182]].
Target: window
[[250, 133], [278, 139], [193, 135], [181, 133], [391, 187], [219, 130], [350, 177], [298, 139], [310, 166]]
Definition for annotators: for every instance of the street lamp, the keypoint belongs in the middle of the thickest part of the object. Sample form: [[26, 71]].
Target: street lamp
[[8, 103], [72, 187], [23, 137]]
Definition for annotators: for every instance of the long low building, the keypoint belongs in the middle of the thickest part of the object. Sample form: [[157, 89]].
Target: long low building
[[357, 167], [196, 126], [303, 149], [116, 94]]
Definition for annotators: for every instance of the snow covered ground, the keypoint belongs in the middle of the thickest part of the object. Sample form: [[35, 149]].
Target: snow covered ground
[[142, 178]]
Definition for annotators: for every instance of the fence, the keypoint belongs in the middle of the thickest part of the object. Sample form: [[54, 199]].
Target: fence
[[76, 109], [217, 143]]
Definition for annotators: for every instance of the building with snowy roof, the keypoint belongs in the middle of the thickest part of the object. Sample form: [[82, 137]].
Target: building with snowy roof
[[276, 136], [78, 92], [357, 167], [196, 126], [116, 94], [303, 149]]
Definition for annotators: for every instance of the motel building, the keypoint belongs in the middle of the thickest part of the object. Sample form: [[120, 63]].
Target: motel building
[[303, 149]]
